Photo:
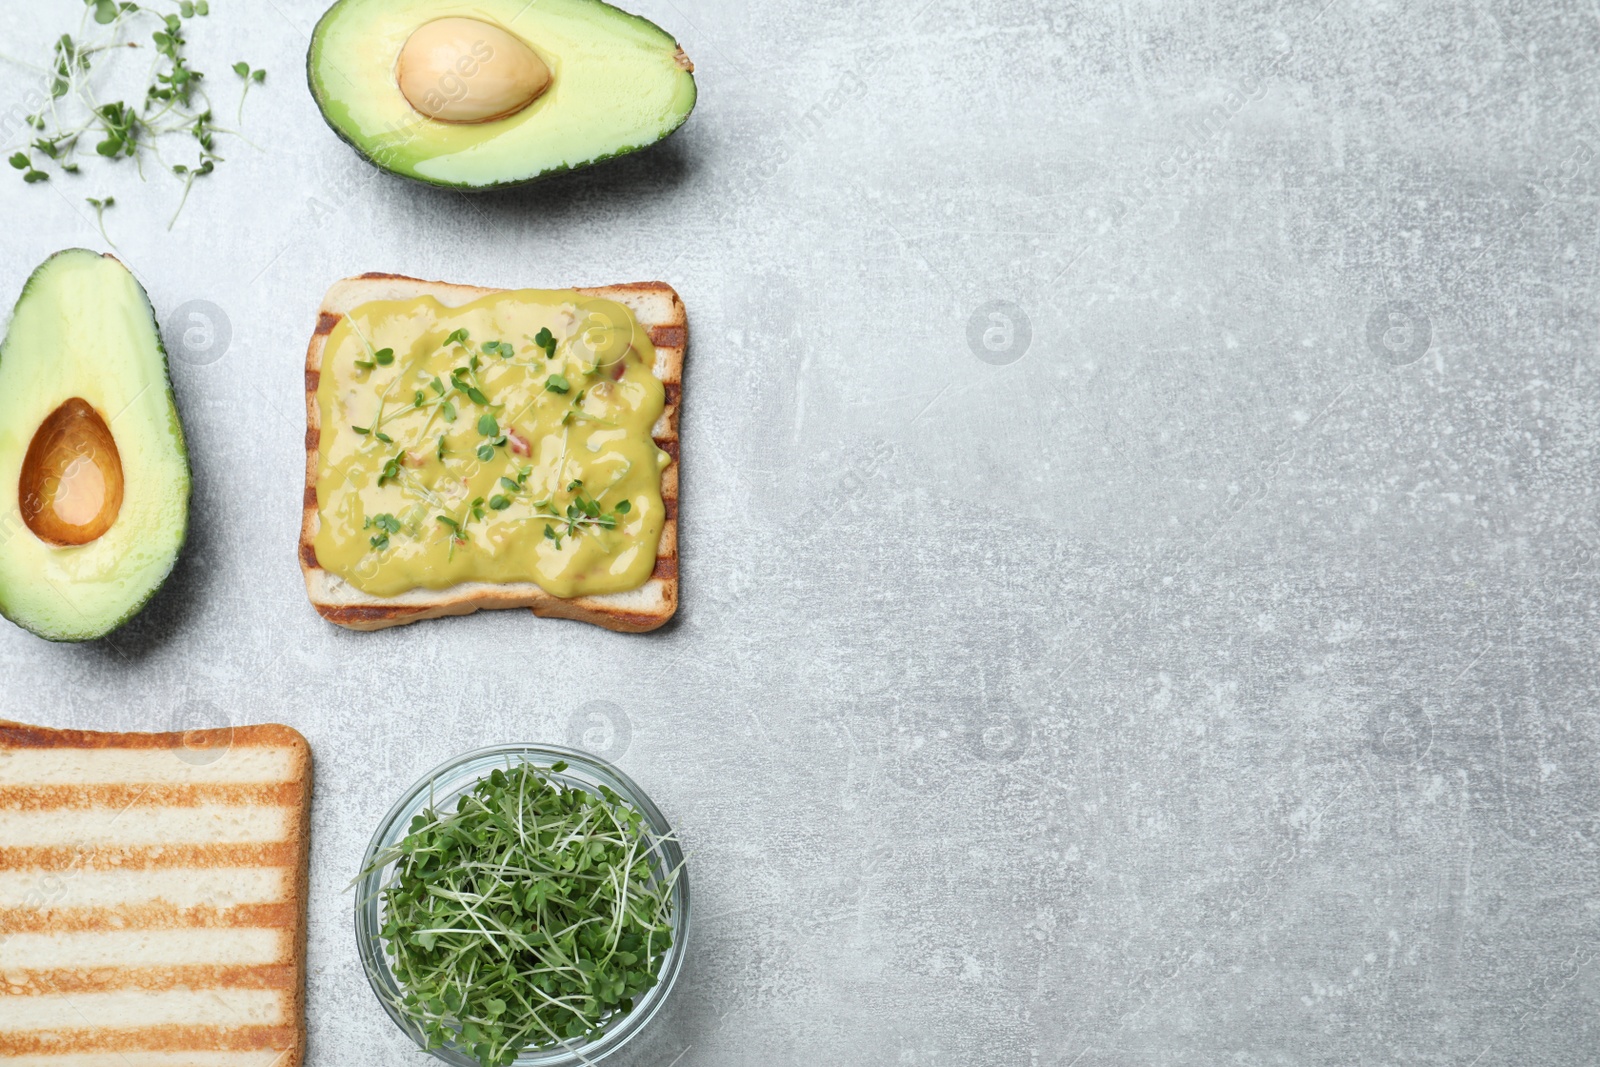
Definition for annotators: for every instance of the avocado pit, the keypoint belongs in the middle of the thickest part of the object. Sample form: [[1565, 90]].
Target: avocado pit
[[71, 484], [465, 71]]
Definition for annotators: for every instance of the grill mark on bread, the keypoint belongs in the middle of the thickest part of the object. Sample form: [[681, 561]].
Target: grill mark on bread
[[311, 497], [154, 916], [313, 379], [627, 621], [237, 1058], [665, 568], [326, 321], [313, 438], [150, 979], [151, 1039], [367, 614], [308, 551], [47, 797], [632, 287], [21, 735], [149, 857], [668, 336]]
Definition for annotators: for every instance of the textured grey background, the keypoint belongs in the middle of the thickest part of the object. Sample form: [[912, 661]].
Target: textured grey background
[[1211, 681]]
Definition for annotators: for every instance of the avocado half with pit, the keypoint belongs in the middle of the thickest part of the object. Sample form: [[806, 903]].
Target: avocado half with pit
[[487, 93], [94, 475]]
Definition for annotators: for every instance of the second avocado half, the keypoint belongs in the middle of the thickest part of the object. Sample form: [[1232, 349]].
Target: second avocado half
[[490, 93], [94, 472]]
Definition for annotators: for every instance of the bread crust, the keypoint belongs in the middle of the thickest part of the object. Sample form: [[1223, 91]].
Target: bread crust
[[299, 780], [659, 310]]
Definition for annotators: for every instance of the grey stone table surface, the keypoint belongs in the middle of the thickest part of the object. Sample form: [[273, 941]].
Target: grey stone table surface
[[1139, 521]]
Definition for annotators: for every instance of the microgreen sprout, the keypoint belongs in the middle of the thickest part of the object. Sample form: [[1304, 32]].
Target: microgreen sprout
[[547, 341], [533, 914], [251, 77], [100, 213], [385, 524], [391, 470]]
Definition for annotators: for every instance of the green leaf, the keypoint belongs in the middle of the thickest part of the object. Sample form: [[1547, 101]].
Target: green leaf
[[459, 337], [486, 452], [105, 12], [383, 356], [448, 410], [20, 161], [391, 470], [557, 384], [477, 397], [488, 426], [499, 503], [242, 69], [624, 506]]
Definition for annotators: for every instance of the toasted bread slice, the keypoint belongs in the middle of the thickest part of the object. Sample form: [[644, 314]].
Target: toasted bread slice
[[153, 897], [657, 308]]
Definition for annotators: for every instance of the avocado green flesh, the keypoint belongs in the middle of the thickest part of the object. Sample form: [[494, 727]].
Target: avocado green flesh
[[84, 328], [617, 87]]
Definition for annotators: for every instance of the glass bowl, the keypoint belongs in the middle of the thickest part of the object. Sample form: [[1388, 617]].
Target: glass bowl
[[441, 788]]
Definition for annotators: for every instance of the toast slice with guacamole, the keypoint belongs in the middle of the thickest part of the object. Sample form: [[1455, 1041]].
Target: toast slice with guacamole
[[471, 448], [153, 896]]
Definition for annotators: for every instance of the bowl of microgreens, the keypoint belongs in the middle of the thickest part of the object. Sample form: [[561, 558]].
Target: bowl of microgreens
[[522, 905]]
